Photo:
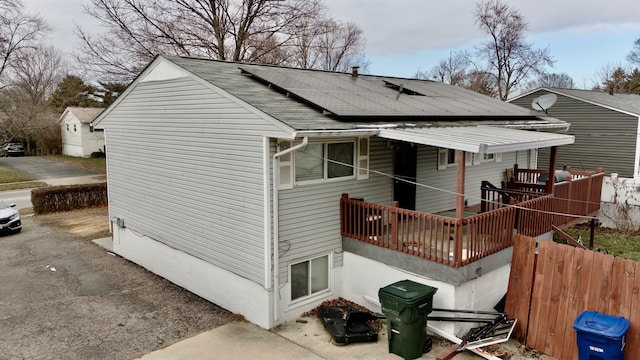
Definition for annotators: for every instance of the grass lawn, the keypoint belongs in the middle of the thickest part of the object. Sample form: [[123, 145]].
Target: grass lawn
[[12, 180], [614, 242], [96, 165], [9, 176]]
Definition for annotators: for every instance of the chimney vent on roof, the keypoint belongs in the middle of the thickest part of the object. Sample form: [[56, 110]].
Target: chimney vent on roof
[[610, 89], [354, 71]]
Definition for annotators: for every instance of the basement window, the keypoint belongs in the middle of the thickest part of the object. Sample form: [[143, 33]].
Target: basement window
[[309, 277]]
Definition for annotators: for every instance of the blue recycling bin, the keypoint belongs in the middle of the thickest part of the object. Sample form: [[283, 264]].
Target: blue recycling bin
[[600, 336]]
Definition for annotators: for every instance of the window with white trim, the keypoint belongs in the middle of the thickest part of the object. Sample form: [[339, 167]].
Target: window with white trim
[[495, 157], [446, 158], [309, 277], [320, 161], [324, 161]]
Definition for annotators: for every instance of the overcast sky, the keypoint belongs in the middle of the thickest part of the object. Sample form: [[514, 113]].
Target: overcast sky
[[404, 36]]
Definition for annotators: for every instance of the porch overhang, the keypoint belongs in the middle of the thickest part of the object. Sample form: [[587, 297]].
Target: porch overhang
[[478, 139]]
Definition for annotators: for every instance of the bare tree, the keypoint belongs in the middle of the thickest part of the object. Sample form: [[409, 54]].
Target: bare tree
[[327, 45], [340, 46], [556, 80], [634, 55], [262, 31], [19, 33], [452, 70], [23, 104], [509, 58], [481, 82]]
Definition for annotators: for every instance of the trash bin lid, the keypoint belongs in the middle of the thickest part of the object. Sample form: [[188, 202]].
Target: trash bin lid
[[601, 324], [408, 290]]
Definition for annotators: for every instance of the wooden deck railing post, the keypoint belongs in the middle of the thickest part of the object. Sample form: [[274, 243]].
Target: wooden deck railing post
[[394, 224], [587, 197], [569, 211], [343, 220]]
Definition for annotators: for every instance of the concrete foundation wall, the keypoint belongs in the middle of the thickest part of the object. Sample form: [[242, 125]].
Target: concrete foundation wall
[[366, 277], [219, 286]]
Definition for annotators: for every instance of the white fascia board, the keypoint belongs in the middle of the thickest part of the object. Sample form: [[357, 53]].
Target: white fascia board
[[416, 138]]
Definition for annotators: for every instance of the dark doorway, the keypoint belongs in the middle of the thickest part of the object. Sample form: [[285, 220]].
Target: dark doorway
[[405, 160]]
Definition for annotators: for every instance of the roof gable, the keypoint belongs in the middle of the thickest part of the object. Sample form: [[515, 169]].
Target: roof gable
[[313, 100], [84, 114], [624, 103]]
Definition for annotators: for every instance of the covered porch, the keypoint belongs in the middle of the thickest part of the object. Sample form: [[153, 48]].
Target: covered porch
[[520, 205]]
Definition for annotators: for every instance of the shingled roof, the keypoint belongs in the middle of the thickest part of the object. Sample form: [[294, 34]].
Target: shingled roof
[[323, 100]]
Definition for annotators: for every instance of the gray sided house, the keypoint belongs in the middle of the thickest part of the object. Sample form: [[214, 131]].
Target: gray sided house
[[267, 190], [606, 128]]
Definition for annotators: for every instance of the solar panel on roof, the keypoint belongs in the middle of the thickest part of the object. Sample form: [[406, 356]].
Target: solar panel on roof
[[370, 96]]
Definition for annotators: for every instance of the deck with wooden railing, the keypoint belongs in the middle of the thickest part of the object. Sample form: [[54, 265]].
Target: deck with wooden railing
[[578, 196], [504, 212], [429, 236]]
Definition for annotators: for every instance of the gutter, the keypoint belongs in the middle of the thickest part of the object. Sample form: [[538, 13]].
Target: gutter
[[276, 239]]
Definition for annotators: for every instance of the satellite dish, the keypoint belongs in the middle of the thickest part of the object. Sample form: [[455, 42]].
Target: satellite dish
[[544, 102]]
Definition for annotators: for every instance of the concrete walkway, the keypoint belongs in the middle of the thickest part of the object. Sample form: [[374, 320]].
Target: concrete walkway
[[292, 340]]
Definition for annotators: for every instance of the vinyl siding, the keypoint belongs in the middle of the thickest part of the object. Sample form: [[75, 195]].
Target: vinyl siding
[[437, 188], [185, 168], [310, 214], [603, 138]]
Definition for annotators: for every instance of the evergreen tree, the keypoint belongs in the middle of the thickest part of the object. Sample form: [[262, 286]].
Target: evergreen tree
[[72, 91]]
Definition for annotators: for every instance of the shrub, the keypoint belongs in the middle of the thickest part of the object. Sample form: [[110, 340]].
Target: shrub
[[98, 154], [69, 197]]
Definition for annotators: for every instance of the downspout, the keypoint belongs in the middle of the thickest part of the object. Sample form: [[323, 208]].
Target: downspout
[[276, 239]]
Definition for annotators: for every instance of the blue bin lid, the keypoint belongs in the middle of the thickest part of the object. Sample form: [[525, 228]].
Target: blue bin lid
[[601, 324]]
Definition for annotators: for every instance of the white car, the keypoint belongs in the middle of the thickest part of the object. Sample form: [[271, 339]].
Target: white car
[[9, 218]]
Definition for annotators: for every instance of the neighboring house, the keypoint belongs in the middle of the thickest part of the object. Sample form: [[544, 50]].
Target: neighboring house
[[268, 190], [606, 128], [79, 138]]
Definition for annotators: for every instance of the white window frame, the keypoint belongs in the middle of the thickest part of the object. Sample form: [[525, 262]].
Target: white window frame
[[362, 158], [312, 296], [325, 177], [495, 157], [443, 158], [285, 165], [287, 169]]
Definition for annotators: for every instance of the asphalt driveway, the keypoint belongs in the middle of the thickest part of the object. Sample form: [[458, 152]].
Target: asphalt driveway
[[41, 168], [65, 298]]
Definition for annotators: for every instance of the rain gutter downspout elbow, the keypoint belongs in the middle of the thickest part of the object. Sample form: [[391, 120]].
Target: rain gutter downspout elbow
[[276, 238]]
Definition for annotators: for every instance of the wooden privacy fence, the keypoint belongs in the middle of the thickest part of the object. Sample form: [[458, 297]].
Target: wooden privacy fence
[[548, 291]]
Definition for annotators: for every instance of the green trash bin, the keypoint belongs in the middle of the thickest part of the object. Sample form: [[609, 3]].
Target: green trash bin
[[406, 305]]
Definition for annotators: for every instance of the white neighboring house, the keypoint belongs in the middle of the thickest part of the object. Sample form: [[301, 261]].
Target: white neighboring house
[[79, 138]]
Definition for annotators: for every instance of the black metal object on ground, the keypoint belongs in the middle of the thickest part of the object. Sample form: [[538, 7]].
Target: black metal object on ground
[[497, 328], [347, 325]]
